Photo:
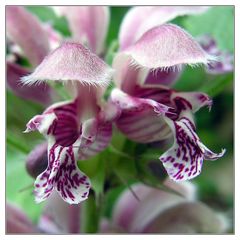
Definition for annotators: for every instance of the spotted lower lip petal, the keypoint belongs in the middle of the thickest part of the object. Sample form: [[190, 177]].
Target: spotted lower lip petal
[[63, 175], [66, 64], [68, 141], [59, 125], [88, 25], [26, 30], [139, 20], [183, 161]]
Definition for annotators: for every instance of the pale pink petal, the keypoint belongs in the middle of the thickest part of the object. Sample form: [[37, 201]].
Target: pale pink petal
[[25, 29], [97, 132], [59, 217], [17, 222], [134, 215], [224, 63], [163, 47], [71, 61], [127, 205], [188, 218], [141, 119], [88, 24], [126, 76], [184, 159], [54, 37], [41, 93], [141, 19]]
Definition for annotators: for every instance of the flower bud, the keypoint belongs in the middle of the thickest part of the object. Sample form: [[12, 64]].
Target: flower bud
[[37, 160], [17, 221], [191, 217]]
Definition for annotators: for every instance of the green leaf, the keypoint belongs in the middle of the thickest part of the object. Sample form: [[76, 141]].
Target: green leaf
[[17, 144], [218, 21], [117, 14], [19, 185], [149, 168], [111, 52], [16, 107], [61, 25], [110, 199], [191, 79], [90, 215], [217, 85], [46, 14]]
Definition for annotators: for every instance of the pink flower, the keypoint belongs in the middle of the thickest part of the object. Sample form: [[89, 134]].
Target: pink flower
[[28, 37], [151, 111], [75, 129], [88, 24], [158, 211], [26, 34], [144, 109], [17, 221]]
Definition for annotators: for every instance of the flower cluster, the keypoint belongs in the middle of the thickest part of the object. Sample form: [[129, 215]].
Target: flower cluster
[[181, 213], [142, 104]]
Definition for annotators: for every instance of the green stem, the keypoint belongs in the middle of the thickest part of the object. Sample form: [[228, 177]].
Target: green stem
[[90, 215], [118, 152]]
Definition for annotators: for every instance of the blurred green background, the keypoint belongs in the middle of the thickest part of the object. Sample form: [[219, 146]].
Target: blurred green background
[[216, 183]]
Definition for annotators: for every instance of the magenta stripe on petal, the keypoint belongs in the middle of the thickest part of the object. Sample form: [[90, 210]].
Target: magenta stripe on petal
[[63, 175], [25, 29], [190, 100], [140, 119], [140, 19], [178, 101], [69, 130], [100, 142], [40, 93], [184, 159], [74, 62]]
